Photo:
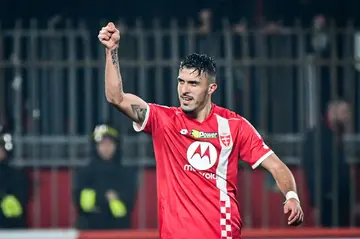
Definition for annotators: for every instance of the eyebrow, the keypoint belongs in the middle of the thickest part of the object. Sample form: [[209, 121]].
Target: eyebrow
[[192, 80]]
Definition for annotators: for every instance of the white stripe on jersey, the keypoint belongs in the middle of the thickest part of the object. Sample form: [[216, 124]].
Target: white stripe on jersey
[[221, 183]]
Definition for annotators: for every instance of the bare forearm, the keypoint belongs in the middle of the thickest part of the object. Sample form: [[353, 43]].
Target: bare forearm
[[284, 178], [113, 82], [281, 173], [131, 105]]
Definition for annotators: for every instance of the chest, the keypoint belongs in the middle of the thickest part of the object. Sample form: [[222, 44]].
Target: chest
[[216, 130], [200, 146]]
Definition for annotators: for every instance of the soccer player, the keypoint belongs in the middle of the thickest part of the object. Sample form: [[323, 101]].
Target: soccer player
[[197, 148]]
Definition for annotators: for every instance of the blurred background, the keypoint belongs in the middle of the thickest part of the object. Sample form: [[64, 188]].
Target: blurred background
[[69, 160]]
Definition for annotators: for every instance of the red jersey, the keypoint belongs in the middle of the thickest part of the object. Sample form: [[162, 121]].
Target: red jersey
[[197, 166]]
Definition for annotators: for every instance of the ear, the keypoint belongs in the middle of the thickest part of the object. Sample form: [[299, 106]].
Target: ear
[[212, 88]]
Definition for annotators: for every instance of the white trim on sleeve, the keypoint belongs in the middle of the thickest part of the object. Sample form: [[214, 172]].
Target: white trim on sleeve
[[139, 128], [261, 159]]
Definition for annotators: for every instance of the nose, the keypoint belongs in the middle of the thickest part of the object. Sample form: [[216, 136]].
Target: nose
[[185, 89]]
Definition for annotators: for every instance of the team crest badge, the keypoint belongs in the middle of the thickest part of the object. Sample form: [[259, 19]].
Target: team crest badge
[[225, 140]]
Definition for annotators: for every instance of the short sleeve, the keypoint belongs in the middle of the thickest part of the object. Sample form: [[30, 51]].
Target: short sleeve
[[253, 149], [151, 119]]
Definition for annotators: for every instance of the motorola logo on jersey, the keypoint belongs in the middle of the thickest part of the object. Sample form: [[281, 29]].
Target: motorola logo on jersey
[[201, 155]]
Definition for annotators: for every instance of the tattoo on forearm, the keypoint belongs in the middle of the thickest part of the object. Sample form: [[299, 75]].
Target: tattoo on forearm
[[114, 57], [115, 61], [140, 112]]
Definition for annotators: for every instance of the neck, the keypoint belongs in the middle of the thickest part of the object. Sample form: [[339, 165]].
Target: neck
[[202, 113]]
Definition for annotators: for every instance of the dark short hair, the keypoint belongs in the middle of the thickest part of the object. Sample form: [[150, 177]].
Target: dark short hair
[[201, 63]]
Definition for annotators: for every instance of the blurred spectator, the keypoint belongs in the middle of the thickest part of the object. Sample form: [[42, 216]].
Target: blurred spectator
[[287, 12], [13, 187], [320, 43], [325, 164], [105, 190], [239, 14]]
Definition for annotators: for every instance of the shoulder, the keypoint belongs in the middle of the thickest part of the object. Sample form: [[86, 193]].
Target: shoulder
[[227, 114], [236, 120], [163, 109]]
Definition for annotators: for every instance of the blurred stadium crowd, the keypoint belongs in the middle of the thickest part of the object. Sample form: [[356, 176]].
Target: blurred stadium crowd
[[67, 159]]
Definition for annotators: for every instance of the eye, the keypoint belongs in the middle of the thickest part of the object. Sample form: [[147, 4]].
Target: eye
[[193, 83], [181, 81]]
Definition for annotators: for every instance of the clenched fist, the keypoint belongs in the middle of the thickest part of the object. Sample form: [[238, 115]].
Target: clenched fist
[[109, 36]]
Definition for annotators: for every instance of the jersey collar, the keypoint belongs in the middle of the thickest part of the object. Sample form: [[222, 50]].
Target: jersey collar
[[213, 106]]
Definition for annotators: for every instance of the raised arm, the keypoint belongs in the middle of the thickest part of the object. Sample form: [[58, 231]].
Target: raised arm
[[130, 105]]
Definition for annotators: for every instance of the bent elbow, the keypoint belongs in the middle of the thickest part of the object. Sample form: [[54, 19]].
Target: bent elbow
[[114, 99]]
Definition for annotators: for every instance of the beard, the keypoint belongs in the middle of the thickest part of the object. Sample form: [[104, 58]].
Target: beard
[[196, 105], [188, 111], [190, 108]]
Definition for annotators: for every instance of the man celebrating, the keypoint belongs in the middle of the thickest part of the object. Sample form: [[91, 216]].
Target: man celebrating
[[197, 147]]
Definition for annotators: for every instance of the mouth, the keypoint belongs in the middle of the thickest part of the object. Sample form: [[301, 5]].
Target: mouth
[[186, 99]]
